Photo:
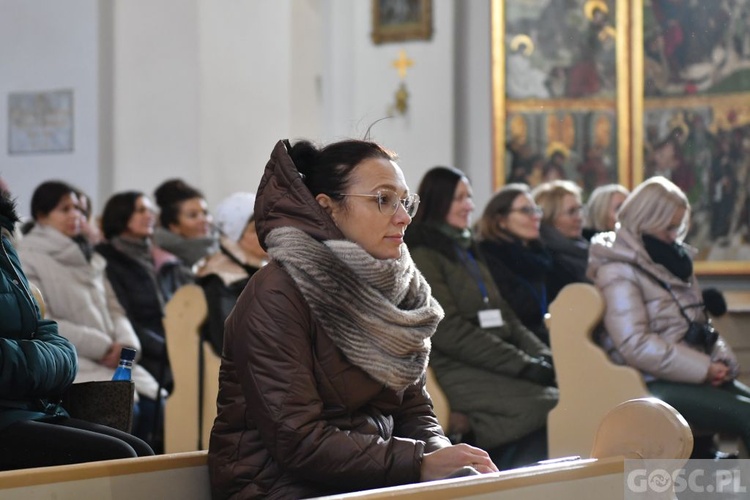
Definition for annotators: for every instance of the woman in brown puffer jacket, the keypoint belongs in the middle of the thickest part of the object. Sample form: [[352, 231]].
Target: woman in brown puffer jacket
[[322, 375]]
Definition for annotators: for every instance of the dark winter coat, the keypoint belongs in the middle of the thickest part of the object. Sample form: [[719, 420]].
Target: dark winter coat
[[36, 364], [570, 258], [139, 296], [520, 273]]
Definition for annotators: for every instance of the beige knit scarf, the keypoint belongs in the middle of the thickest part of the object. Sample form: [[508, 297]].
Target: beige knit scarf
[[380, 313]]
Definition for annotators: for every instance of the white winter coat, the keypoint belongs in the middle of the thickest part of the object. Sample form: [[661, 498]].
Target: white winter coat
[[79, 297]]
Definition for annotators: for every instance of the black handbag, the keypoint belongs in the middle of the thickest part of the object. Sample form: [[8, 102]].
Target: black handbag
[[106, 402]]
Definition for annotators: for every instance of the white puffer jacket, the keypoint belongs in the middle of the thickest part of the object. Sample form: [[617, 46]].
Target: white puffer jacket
[[643, 324], [79, 297]]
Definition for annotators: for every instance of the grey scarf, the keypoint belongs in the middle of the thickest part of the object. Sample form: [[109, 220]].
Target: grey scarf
[[188, 250], [139, 249], [380, 313]]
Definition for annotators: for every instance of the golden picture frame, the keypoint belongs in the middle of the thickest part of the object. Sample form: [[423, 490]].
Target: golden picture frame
[[401, 20], [548, 103], [679, 96], [690, 119]]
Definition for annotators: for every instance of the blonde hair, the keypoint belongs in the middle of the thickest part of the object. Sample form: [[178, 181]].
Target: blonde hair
[[651, 206], [596, 215], [549, 196]]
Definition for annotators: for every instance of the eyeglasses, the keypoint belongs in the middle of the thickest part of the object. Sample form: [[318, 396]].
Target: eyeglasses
[[529, 211], [573, 211], [388, 201]]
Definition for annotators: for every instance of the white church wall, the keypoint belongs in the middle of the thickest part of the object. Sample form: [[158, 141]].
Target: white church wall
[[49, 46]]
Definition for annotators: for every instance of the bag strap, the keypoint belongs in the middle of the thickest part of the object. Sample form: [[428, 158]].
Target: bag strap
[[666, 286]]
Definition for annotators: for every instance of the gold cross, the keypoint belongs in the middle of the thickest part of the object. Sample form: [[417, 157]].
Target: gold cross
[[402, 63]]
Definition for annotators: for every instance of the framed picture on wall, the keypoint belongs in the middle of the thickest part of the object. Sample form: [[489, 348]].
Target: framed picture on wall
[[691, 116], [560, 91], [401, 20], [40, 122]]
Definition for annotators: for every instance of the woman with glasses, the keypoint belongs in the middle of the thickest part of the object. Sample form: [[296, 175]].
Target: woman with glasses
[[323, 367], [561, 232], [655, 319], [519, 262], [493, 370]]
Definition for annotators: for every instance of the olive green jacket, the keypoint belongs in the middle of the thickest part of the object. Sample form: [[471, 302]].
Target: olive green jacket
[[479, 368]]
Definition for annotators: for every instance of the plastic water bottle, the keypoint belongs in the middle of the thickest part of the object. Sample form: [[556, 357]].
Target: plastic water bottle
[[125, 368]]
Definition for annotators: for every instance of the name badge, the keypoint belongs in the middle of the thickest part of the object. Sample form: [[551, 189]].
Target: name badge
[[490, 318]]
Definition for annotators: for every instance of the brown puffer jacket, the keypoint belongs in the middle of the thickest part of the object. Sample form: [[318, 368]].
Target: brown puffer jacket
[[295, 418]]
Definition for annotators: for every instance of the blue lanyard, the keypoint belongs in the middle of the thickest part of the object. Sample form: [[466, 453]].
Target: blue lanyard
[[467, 258], [540, 295]]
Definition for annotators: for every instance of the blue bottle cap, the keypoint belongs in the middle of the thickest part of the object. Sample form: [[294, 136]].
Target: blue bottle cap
[[127, 353]]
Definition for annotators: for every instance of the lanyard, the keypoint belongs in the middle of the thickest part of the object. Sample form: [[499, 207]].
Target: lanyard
[[471, 264], [539, 295]]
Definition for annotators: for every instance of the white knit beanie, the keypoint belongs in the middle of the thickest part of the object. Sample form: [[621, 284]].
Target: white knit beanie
[[233, 213]]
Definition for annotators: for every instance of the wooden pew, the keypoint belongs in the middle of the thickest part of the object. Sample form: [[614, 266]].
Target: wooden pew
[[645, 428], [175, 476], [590, 384], [184, 315]]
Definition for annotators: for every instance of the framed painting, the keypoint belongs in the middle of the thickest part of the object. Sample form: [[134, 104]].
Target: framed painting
[[40, 122], [560, 81], [401, 20], [691, 116]]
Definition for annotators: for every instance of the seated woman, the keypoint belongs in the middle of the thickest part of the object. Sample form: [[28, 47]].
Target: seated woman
[[519, 263], [600, 214], [37, 365], [139, 272], [490, 366], [225, 273], [323, 369], [185, 229], [561, 232], [78, 295], [655, 319]]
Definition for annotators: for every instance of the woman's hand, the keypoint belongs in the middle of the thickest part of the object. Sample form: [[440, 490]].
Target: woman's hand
[[718, 373], [112, 358], [442, 462]]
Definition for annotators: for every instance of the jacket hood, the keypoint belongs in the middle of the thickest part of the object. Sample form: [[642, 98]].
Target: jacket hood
[[624, 246], [49, 241], [284, 200]]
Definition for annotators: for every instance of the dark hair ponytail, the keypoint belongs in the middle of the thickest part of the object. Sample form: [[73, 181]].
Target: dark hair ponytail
[[169, 197], [327, 170]]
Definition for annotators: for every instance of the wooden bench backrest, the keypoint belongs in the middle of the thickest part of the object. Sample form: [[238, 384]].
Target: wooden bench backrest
[[440, 404], [184, 314], [590, 384]]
